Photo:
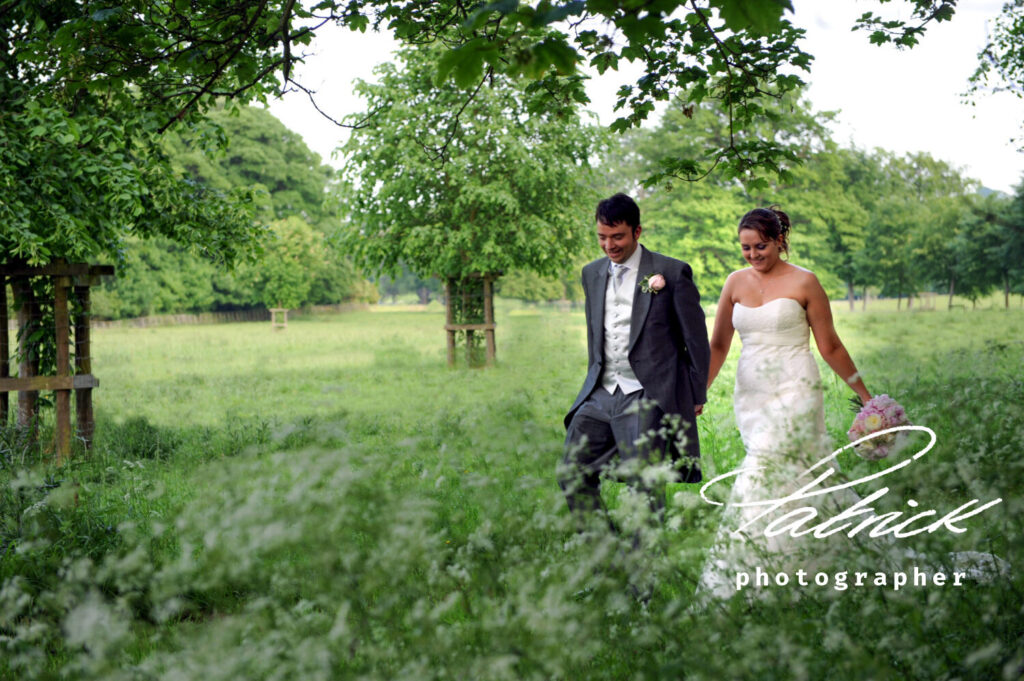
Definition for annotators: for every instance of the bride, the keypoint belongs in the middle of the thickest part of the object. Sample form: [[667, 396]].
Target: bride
[[778, 401]]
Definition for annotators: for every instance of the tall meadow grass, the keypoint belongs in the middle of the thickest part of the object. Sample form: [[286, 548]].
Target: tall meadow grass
[[333, 502]]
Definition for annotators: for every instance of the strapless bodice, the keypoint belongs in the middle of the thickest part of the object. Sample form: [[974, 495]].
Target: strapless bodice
[[780, 321]]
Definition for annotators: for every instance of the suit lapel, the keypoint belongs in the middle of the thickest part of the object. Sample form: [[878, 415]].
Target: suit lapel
[[598, 286], [641, 301]]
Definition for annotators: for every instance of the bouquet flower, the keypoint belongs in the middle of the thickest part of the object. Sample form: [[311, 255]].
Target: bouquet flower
[[881, 412]]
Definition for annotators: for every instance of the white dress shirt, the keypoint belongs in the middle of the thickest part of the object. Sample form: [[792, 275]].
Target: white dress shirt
[[618, 313]]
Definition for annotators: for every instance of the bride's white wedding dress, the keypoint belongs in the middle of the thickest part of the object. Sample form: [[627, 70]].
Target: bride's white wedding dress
[[779, 408]]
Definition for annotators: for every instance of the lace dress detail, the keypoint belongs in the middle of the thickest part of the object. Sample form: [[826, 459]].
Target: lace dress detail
[[779, 406]]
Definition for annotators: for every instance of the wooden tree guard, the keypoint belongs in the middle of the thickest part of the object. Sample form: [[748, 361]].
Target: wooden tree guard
[[275, 321], [464, 289], [69, 280]]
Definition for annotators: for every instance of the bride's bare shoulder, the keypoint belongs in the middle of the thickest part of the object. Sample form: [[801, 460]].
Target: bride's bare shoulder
[[803, 271], [739, 276], [804, 276]]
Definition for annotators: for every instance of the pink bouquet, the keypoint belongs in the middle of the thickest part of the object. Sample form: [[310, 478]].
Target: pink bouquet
[[880, 413]]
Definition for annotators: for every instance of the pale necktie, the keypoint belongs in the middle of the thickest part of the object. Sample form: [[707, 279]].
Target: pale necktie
[[618, 274]]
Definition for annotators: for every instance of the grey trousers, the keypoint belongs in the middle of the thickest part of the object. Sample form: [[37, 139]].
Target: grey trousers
[[601, 435]]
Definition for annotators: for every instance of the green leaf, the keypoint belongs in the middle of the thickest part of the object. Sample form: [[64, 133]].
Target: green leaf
[[357, 22], [469, 68], [558, 13], [445, 64], [480, 17], [556, 53], [759, 17]]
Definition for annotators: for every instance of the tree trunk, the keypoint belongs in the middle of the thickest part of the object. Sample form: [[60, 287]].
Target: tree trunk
[[424, 294], [850, 294], [1006, 290], [952, 287], [864, 303]]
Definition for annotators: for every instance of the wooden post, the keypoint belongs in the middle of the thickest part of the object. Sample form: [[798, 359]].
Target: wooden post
[[489, 319], [83, 365], [5, 350], [449, 321], [62, 331], [469, 332], [28, 364]]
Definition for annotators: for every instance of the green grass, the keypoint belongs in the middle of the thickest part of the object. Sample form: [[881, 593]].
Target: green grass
[[332, 501]]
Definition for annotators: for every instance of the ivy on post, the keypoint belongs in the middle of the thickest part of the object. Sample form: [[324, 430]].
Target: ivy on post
[[5, 350], [52, 300]]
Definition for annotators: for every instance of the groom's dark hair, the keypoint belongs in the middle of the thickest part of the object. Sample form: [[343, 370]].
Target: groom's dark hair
[[618, 208]]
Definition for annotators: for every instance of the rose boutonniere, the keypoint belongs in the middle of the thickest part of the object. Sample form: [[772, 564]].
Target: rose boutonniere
[[652, 283]]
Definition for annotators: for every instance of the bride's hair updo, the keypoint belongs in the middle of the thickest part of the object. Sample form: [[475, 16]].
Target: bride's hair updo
[[771, 223]]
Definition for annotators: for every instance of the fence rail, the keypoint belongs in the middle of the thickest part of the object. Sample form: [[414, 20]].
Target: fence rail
[[253, 315]]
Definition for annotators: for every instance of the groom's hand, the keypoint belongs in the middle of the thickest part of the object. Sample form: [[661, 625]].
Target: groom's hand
[[698, 410]]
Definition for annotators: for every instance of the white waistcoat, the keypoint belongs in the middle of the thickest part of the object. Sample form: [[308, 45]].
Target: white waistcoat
[[618, 312]]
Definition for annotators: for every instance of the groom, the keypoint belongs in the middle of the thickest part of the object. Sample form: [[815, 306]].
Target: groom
[[648, 353]]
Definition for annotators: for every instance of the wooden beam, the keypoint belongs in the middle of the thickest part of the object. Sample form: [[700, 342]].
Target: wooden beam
[[489, 319], [34, 384], [56, 270], [449, 319]]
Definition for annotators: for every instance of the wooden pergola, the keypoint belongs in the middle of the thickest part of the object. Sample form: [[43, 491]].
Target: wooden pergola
[[278, 318], [71, 284]]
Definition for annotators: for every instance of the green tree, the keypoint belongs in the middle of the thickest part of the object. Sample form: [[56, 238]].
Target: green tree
[[282, 276], [263, 156], [512, 193], [698, 221], [528, 286], [991, 242], [406, 281], [887, 252], [823, 199], [89, 88]]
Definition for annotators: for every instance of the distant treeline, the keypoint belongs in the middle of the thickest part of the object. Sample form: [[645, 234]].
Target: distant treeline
[[896, 225], [298, 266]]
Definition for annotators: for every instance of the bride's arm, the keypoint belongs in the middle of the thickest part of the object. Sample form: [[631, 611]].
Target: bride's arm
[[721, 336], [819, 316]]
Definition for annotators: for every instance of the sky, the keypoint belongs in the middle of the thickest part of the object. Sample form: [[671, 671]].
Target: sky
[[899, 100]]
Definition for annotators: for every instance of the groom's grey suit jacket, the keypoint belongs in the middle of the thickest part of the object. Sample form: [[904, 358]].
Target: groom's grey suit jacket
[[668, 340]]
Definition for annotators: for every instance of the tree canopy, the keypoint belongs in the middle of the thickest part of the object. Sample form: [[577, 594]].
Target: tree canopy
[[512, 193], [88, 89], [261, 156], [298, 263], [898, 225]]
